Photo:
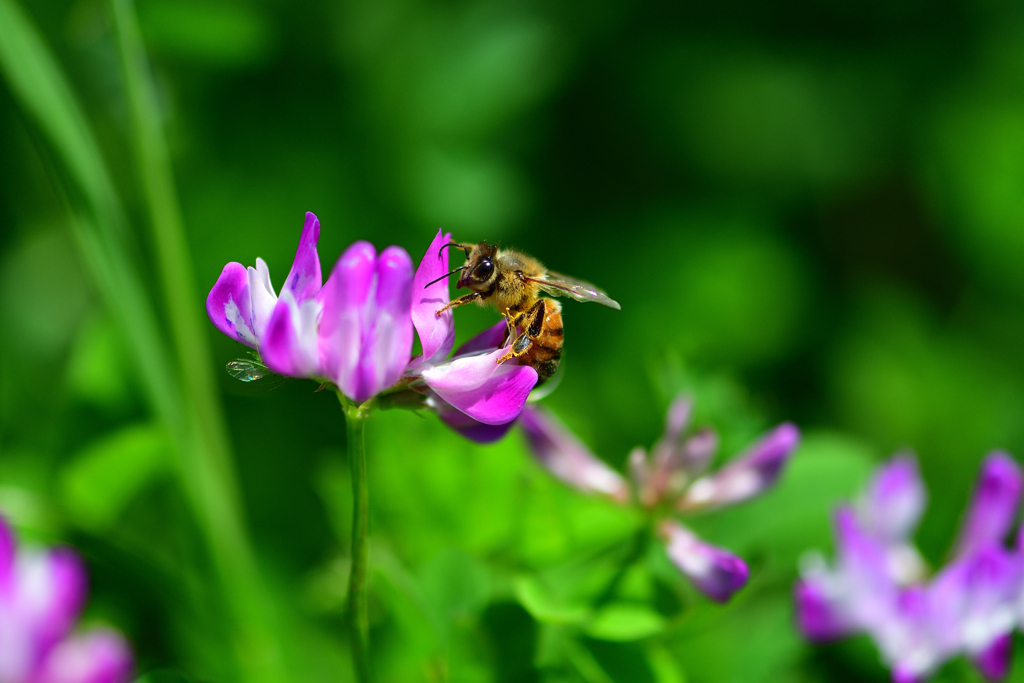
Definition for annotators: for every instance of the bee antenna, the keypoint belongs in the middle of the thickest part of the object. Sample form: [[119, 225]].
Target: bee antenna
[[463, 247], [460, 268]]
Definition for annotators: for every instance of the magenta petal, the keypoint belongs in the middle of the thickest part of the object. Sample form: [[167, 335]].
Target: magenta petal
[[101, 656], [66, 585], [901, 675], [7, 549], [387, 338], [304, 279], [994, 661], [561, 453], [491, 338], [229, 305], [818, 616], [436, 332], [894, 500], [715, 572], [346, 298], [746, 476], [993, 508], [485, 390], [289, 344]]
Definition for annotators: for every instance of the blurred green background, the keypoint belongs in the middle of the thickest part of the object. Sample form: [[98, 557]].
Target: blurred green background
[[809, 211]]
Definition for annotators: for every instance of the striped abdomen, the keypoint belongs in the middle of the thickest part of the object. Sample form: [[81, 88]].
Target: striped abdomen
[[546, 333]]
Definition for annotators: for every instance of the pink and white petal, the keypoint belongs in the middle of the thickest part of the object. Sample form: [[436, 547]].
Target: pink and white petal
[[820, 617], [436, 332], [304, 279], [289, 345], [698, 452], [746, 476], [229, 305], [907, 639], [346, 298], [994, 661], [715, 572], [482, 388], [975, 599], [100, 656], [561, 453], [676, 420], [863, 563], [49, 591], [993, 508], [387, 343], [262, 296], [640, 474], [492, 337], [894, 500]]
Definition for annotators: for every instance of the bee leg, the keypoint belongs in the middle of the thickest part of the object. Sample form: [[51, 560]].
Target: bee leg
[[464, 299], [510, 323], [520, 346], [531, 322]]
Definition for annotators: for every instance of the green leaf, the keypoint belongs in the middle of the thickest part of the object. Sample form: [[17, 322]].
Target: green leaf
[[625, 621], [105, 476], [545, 607]]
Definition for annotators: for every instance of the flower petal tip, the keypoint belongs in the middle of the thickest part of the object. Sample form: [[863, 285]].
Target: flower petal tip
[[816, 615], [994, 661], [229, 306], [714, 571]]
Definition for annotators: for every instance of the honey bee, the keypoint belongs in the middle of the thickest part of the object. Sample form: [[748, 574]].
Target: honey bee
[[513, 282]]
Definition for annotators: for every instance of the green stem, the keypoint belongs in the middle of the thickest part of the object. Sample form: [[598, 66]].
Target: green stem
[[355, 423]]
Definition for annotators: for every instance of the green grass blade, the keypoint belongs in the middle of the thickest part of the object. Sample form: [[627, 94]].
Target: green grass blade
[[260, 652], [188, 408]]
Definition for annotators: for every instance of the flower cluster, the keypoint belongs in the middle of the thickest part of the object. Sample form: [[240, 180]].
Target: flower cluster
[[41, 594], [356, 331], [878, 583], [672, 479]]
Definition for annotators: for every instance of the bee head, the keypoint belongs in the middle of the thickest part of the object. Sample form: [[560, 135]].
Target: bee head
[[480, 269]]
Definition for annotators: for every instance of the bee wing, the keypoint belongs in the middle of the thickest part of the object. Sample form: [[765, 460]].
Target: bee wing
[[557, 284], [246, 370]]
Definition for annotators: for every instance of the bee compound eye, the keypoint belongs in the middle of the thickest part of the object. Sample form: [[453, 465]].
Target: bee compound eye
[[484, 270]]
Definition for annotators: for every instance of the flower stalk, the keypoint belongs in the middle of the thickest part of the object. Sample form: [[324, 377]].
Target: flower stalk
[[355, 425]]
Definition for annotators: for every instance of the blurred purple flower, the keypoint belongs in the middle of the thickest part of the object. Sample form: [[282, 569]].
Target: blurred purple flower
[[41, 595], [877, 584], [671, 479]]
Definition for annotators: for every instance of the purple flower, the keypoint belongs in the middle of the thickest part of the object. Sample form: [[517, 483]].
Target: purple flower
[[41, 595], [357, 331], [471, 382], [671, 479], [354, 331], [877, 584]]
